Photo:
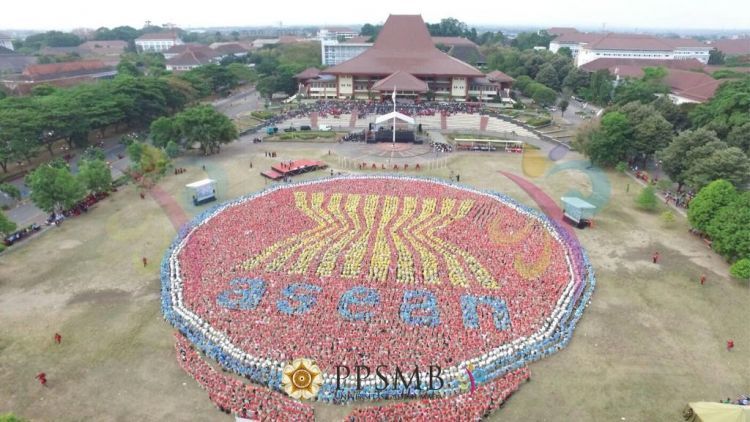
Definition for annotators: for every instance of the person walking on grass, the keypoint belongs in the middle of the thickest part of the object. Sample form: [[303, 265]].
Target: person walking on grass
[[655, 257]]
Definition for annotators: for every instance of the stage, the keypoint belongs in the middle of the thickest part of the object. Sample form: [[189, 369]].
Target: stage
[[286, 168]]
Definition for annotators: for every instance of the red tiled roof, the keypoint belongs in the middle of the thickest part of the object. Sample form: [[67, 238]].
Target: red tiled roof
[[104, 47], [738, 47], [685, 43], [577, 38], [613, 62], [401, 81], [682, 81], [404, 44], [561, 30], [167, 35], [200, 48], [498, 76], [192, 57], [451, 41], [37, 70], [629, 42], [309, 73], [692, 85]]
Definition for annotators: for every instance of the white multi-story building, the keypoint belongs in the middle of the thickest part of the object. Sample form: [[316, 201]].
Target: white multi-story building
[[6, 41], [157, 42], [587, 47], [334, 33], [333, 52]]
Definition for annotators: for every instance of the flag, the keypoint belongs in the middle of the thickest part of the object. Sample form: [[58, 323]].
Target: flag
[[394, 95]]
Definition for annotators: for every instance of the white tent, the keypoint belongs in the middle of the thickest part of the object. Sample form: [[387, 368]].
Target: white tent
[[394, 115], [203, 191]]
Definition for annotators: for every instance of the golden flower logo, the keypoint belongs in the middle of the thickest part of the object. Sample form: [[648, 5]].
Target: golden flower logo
[[302, 379], [466, 382]]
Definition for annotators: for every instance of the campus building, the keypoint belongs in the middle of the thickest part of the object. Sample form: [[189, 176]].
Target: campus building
[[335, 33], [687, 81], [6, 41], [333, 52], [403, 57], [157, 42], [587, 47]]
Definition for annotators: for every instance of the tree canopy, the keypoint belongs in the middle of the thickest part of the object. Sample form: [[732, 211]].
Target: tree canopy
[[54, 188]]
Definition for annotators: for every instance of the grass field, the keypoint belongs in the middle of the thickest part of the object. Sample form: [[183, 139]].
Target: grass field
[[651, 340]]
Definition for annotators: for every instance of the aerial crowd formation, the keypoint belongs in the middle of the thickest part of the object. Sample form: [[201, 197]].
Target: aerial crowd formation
[[375, 270]]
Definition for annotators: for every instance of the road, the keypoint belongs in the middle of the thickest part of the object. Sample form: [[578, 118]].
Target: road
[[26, 213]]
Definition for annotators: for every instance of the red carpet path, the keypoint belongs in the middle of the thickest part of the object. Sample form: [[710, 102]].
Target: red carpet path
[[314, 119], [353, 119], [174, 211], [443, 121], [547, 204]]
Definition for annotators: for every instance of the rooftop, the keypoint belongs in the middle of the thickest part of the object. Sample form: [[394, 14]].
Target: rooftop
[[400, 81], [498, 76], [155, 36], [451, 41], [738, 47], [404, 44], [41, 70]]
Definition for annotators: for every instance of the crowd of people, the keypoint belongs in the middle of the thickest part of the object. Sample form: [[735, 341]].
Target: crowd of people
[[326, 108], [233, 396], [459, 408], [425, 249]]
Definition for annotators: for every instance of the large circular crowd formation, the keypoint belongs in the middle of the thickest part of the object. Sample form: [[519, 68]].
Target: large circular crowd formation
[[397, 273]]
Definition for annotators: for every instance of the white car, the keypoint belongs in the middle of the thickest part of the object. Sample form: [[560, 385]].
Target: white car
[[324, 128]]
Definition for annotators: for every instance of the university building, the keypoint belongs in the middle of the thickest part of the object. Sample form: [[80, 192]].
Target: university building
[[404, 57], [157, 42], [587, 47]]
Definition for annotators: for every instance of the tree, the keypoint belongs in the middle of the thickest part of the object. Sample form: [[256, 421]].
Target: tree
[[95, 175], [126, 67], [729, 108], [547, 76], [707, 203], [646, 200], [207, 127], [715, 57], [172, 149], [609, 144], [6, 225], [93, 153], [370, 30], [741, 269], [680, 155], [135, 150], [543, 95], [565, 51], [529, 40], [153, 162], [729, 163], [739, 137], [54, 189], [730, 229], [164, 130], [600, 87], [11, 190], [563, 104]]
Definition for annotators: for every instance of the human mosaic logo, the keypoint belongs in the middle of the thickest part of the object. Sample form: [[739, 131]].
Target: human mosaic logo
[[404, 287]]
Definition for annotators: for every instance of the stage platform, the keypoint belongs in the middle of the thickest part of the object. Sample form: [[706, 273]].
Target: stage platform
[[286, 168]]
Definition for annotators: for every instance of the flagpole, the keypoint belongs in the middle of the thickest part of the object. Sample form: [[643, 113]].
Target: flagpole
[[393, 144]]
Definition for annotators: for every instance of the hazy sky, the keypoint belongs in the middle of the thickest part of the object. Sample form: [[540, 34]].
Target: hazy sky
[[631, 14]]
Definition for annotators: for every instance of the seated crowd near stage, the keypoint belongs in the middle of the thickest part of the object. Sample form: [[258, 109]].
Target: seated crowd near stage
[[491, 246]]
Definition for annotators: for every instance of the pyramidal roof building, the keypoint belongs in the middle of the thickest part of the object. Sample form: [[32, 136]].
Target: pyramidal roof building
[[404, 57]]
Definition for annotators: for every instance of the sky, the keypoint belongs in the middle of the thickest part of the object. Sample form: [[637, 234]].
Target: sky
[[591, 14]]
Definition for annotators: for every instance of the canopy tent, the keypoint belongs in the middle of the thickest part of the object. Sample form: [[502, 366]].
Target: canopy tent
[[203, 191], [717, 412], [394, 115], [576, 209]]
